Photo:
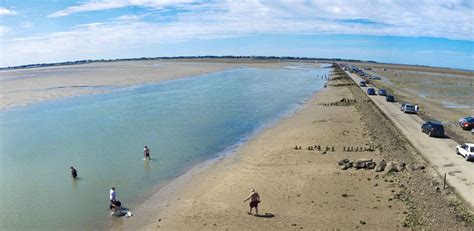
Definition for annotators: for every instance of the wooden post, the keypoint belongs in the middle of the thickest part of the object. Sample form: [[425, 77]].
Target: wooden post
[[444, 182]]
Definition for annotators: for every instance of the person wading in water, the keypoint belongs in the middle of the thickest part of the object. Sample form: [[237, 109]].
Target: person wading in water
[[146, 153], [73, 172]]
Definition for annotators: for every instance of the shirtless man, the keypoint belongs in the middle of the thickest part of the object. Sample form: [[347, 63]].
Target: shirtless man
[[146, 153], [254, 200]]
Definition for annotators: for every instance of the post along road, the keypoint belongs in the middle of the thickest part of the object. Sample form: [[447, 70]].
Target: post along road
[[439, 152]]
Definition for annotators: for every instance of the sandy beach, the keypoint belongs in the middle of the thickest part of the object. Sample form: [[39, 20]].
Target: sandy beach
[[306, 189], [299, 189]]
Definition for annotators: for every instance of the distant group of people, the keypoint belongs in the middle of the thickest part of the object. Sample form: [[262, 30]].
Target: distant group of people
[[115, 205]]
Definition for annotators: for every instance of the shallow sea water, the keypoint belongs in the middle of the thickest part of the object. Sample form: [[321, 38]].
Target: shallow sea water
[[184, 122]]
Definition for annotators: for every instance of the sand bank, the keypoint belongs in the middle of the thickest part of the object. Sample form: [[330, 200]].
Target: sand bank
[[26, 86]]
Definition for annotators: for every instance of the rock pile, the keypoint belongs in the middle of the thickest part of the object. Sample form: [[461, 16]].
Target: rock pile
[[341, 102], [380, 166]]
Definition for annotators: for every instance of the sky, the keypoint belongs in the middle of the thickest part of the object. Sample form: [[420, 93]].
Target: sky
[[418, 32]]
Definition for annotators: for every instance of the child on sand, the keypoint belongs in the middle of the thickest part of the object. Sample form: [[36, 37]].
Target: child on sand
[[254, 200]]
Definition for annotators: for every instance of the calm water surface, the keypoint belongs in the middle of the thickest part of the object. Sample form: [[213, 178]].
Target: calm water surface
[[184, 122]]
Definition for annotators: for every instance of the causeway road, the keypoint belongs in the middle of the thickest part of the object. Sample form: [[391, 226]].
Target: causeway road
[[439, 152]]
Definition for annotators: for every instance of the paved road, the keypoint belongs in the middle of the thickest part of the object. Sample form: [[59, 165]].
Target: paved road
[[440, 152]]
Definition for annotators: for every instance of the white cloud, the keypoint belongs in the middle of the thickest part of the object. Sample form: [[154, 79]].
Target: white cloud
[[114, 4], [5, 11], [220, 19]]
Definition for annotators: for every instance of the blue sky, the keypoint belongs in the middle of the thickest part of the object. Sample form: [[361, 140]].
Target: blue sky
[[424, 32]]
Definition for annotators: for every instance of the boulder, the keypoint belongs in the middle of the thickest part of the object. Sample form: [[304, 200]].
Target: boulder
[[401, 166], [380, 166], [343, 162], [358, 164], [346, 166], [391, 167], [414, 166], [370, 165]]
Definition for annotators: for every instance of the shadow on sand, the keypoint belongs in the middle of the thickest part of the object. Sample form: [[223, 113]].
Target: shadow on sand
[[266, 215]]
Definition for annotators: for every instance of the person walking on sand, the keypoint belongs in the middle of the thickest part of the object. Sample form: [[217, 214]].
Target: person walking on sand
[[73, 172], [254, 200], [417, 108], [146, 153]]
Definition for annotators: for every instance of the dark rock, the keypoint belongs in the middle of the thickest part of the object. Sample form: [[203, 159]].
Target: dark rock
[[370, 165], [343, 162]]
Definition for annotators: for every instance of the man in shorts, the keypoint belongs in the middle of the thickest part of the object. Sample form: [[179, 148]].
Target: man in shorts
[[254, 200], [146, 153]]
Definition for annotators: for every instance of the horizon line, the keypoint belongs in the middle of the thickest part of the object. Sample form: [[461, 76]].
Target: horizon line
[[255, 57]]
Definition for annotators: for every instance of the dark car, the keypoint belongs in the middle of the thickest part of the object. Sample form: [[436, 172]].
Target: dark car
[[371, 91], [467, 123], [362, 84], [390, 98], [382, 92], [433, 128]]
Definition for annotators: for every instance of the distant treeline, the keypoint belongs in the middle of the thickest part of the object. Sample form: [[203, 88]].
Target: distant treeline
[[282, 58]]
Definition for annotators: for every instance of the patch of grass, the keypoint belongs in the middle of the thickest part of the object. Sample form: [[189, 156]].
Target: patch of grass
[[462, 214]]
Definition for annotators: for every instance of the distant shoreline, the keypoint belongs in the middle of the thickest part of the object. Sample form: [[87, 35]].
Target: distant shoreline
[[215, 58], [25, 86]]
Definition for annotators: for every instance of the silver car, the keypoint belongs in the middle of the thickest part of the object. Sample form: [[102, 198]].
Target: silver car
[[408, 108]]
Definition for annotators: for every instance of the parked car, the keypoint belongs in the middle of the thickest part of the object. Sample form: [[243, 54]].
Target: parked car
[[466, 150], [371, 91], [408, 108], [464, 119], [467, 123], [390, 98], [433, 128], [382, 92], [362, 84]]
